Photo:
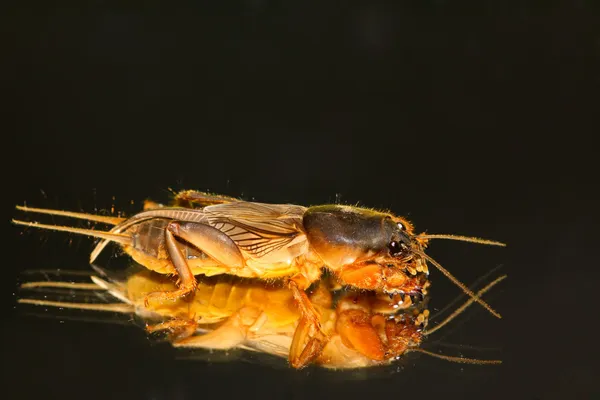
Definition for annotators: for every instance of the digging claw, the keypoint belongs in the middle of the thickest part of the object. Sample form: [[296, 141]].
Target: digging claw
[[357, 332]]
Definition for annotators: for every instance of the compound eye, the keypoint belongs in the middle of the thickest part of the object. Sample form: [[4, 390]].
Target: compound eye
[[395, 247]]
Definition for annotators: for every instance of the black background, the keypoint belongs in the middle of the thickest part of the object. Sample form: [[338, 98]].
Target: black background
[[471, 119]]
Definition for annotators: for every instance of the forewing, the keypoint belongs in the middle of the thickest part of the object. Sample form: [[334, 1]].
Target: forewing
[[258, 229]]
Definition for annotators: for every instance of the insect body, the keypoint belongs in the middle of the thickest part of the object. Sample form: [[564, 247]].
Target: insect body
[[363, 329], [214, 235]]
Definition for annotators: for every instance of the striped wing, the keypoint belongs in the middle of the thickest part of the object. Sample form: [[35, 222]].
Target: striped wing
[[258, 229]]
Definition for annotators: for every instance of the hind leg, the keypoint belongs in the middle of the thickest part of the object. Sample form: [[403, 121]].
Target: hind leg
[[179, 328], [207, 239], [230, 334], [187, 281]]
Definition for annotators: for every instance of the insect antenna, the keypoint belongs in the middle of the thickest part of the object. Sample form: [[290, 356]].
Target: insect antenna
[[458, 283], [460, 360], [114, 237], [451, 305], [462, 239], [456, 313], [87, 217], [462, 308]]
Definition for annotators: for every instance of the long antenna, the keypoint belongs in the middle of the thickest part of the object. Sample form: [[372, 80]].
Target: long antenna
[[87, 217], [114, 237], [460, 360], [462, 239], [458, 283], [462, 308]]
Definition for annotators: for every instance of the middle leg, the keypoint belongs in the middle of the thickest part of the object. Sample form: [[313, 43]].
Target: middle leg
[[309, 338]]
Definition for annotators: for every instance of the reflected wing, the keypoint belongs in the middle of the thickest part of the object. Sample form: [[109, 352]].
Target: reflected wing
[[258, 229]]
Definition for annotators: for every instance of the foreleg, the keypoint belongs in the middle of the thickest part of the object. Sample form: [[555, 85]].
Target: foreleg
[[374, 276]]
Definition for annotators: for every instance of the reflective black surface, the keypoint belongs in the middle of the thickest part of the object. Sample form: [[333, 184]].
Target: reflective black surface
[[471, 120]]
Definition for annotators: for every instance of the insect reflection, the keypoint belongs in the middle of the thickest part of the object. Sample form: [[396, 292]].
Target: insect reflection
[[363, 329]]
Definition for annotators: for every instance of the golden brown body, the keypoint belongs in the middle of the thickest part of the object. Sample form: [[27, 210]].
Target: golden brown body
[[210, 235], [216, 235]]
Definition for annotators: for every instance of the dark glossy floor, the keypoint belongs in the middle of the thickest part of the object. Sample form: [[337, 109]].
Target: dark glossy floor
[[472, 120]]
